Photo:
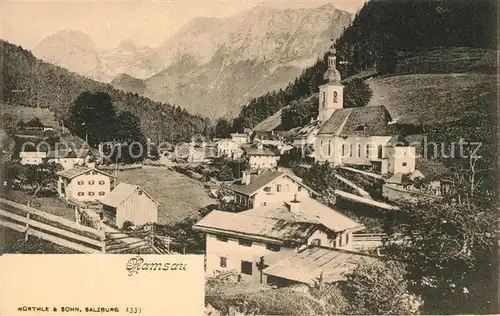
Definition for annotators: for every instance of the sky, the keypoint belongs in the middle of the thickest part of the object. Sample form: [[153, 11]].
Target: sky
[[107, 22]]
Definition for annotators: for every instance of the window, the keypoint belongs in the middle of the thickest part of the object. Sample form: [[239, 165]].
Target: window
[[368, 150], [329, 148], [278, 188], [267, 189], [264, 203], [245, 243], [316, 242], [299, 188], [80, 182], [246, 267], [350, 150], [102, 193], [81, 194], [404, 164], [340, 241], [91, 193], [91, 182], [101, 182], [335, 96], [273, 247], [223, 262], [347, 239], [139, 192], [344, 149], [323, 99], [359, 150], [222, 238], [380, 151]]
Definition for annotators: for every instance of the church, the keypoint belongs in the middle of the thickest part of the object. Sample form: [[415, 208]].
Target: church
[[360, 137]]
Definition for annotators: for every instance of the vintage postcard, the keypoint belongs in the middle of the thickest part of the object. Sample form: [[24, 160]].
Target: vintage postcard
[[323, 157]]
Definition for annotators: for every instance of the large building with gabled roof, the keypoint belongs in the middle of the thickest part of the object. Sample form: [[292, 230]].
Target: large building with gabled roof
[[251, 240], [83, 184], [268, 188]]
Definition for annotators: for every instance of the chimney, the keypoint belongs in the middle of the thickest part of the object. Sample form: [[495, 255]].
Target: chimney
[[294, 206], [245, 178]]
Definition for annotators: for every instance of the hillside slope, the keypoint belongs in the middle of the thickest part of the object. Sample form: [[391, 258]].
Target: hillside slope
[[28, 81], [430, 88]]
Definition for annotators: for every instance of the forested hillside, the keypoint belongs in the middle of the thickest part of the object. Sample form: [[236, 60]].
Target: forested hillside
[[28, 81], [395, 36]]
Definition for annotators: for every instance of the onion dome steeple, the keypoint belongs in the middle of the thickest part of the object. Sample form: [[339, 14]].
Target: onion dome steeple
[[332, 74]]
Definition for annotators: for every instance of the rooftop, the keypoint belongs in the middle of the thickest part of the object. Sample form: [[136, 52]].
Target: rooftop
[[311, 211], [120, 193], [279, 222], [259, 227], [75, 172], [306, 130], [307, 265], [32, 154], [263, 151], [259, 181], [361, 121]]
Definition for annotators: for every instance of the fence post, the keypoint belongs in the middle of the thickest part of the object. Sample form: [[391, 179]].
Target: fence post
[[26, 234]]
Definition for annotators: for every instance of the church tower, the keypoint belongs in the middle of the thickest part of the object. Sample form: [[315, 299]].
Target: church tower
[[331, 95]]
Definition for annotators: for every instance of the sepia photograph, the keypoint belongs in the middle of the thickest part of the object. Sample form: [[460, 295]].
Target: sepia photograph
[[335, 157]]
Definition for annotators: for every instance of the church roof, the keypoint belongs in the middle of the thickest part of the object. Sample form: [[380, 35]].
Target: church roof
[[361, 121]]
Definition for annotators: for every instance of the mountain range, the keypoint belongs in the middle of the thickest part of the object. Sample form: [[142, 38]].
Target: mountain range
[[211, 66]]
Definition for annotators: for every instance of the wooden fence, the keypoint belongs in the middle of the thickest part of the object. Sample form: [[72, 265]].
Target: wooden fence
[[367, 241], [52, 228], [119, 167]]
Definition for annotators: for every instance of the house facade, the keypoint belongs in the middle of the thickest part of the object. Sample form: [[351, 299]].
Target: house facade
[[131, 203], [229, 148], [240, 138], [83, 184], [268, 188], [32, 157], [250, 241], [69, 159], [262, 158]]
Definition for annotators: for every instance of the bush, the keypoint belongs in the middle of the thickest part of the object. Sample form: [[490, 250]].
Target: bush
[[127, 225]]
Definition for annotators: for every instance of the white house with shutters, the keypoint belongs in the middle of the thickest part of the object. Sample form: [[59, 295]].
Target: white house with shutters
[[83, 184]]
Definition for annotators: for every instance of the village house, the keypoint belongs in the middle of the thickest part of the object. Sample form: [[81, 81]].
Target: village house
[[128, 202], [229, 148], [360, 136], [305, 135], [32, 157], [268, 188], [261, 157], [69, 158], [240, 138], [83, 184], [416, 186], [252, 240]]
